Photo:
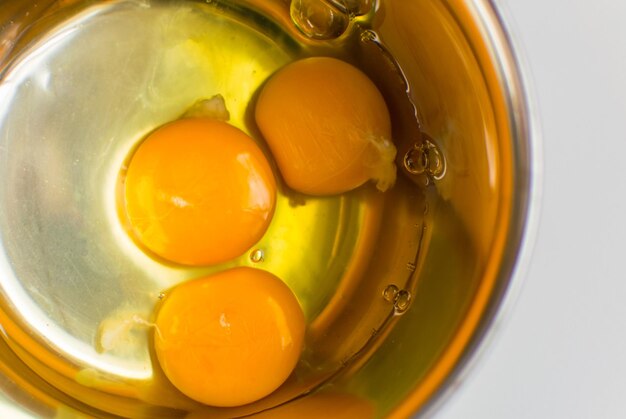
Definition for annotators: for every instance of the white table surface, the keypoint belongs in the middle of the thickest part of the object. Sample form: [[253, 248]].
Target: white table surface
[[561, 350]]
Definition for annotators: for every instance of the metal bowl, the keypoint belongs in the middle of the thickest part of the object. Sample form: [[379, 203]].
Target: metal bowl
[[471, 236]]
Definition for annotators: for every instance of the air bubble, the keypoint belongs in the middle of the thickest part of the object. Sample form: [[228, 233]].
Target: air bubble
[[369, 36], [425, 158], [402, 302], [257, 255], [317, 19], [161, 295], [415, 160], [390, 292]]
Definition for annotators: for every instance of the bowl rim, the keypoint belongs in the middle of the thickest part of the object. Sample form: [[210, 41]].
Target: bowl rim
[[524, 122]]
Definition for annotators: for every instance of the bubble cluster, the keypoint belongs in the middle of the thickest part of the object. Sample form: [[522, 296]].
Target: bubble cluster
[[326, 19], [425, 158], [401, 299]]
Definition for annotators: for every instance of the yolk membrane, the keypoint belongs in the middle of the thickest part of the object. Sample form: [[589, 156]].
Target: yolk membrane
[[328, 127], [199, 191], [231, 338]]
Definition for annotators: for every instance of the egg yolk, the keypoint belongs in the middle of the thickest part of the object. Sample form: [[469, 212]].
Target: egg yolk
[[328, 127], [199, 191], [231, 338]]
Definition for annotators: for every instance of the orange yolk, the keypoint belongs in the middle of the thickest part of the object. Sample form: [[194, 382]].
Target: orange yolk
[[231, 338], [199, 191], [328, 127]]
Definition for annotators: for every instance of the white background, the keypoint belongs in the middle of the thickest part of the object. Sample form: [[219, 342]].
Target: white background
[[560, 352]]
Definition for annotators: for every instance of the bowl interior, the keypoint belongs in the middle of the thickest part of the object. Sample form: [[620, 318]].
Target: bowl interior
[[464, 230]]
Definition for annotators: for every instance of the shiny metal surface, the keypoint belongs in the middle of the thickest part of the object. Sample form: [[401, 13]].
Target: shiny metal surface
[[466, 82], [469, 95]]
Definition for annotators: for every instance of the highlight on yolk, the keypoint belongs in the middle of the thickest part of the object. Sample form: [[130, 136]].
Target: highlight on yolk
[[328, 127], [231, 338], [199, 191]]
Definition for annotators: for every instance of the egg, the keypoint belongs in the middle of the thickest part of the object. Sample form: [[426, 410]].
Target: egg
[[199, 191], [328, 127], [231, 338]]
